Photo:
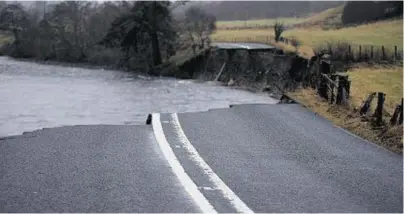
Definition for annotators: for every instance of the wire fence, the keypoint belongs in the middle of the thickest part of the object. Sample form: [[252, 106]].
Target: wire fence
[[339, 50]]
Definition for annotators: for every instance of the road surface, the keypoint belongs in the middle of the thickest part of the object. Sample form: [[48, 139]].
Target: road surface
[[248, 158], [243, 46]]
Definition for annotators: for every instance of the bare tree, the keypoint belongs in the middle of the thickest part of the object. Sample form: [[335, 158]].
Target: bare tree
[[278, 30], [199, 25]]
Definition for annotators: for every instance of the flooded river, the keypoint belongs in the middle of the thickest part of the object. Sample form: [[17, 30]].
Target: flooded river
[[35, 96]]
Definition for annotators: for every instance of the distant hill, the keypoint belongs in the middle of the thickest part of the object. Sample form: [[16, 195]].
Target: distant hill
[[247, 10]]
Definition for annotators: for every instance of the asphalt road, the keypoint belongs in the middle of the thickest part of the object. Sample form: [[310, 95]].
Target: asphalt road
[[88, 169], [249, 158], [242, 45]]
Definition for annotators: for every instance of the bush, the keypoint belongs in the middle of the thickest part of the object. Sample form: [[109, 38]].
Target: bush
[[104, 56]]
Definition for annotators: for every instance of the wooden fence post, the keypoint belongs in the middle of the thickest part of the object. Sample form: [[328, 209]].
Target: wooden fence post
[[395, 53], [323, 88], [348, 88], [379, 108], [371, 52], [360, 52], [383, 53], [400, 120], [342, 92], [333, 77], [394, 118], [366, 105]]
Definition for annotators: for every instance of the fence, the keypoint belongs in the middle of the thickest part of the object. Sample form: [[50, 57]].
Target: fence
[[249, 26], [262, 39], [339, 50], [335, 88], [360, 53]]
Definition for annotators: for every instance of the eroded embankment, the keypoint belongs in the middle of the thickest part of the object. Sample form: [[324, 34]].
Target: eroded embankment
[[249, 70], [295, 77]]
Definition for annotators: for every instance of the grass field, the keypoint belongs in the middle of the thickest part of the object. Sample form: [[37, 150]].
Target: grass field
[[388, 33], [366, 80], [330, 16], [257, 22]]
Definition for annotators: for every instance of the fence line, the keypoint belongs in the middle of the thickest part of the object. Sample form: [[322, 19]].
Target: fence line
[[339, 50], [335, 88]]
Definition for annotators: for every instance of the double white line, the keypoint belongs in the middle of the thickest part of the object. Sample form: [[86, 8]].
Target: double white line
[[185, 180]]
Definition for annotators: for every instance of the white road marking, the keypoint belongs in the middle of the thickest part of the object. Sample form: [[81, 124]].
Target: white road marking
[[237, 203], [206, 188], [179, 171]]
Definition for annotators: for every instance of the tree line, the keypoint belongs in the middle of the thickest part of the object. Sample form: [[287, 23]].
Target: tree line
[[140, 34], [247, 10]]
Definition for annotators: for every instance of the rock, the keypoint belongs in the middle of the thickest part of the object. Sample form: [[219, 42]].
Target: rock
[[149, 119], [286, 99]]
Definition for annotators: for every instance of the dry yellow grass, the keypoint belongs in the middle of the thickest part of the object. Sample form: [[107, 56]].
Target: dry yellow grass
[[386, 79], [257, 22], [329, 16], [387, 33], [387, 137], [258, 35]]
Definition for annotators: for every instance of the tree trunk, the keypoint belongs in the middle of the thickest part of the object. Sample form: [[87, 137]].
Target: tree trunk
[[155, 41], [17, 38], [156, 48]]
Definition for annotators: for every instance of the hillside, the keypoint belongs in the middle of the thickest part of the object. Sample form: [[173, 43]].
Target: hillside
[[318, 29], [247, 10]]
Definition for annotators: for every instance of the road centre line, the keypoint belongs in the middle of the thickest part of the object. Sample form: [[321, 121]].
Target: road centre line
[[179, 171], [234, 200]]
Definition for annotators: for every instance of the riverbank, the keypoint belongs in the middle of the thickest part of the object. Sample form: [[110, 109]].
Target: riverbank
[[85, 65]]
